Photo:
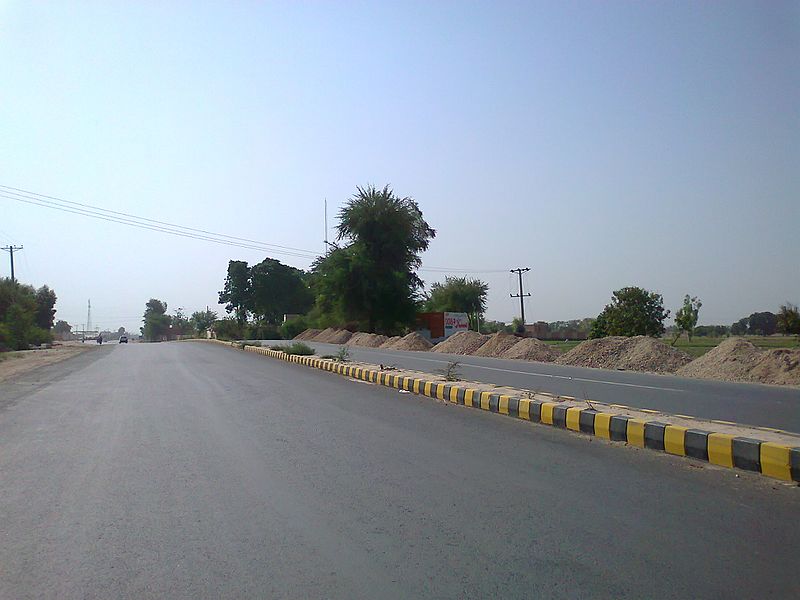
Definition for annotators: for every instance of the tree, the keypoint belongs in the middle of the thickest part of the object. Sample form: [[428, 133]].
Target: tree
[[788, 319], [459, 294], [277, 289], [372, 281], [686, 317], [45, 311], [202, 320], [633, 311], [19, 312], [156, 321], [599, 328], [762, 323], [740, 327], [236, 293]]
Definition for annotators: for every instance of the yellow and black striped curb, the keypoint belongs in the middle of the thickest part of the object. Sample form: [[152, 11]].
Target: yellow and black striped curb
[[723, 449]]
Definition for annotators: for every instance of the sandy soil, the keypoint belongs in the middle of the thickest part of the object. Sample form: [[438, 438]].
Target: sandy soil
[[15, 363]]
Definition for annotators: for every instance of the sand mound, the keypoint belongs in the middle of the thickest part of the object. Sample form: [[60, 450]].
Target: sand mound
[[531, 349], [367, 340], [497, 344], [308, 334], [413, 341], [463, 342], [736, 359], [333, 336], [390, 342], [639, 353]]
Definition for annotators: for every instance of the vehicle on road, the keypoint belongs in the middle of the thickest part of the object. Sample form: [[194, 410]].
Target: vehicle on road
[[123, 339]]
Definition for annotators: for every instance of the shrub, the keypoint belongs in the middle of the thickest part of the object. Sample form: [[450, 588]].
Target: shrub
[[298, 348]]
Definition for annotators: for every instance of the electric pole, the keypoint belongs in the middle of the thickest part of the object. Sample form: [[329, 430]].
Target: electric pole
[[521, 296], [10, 250]]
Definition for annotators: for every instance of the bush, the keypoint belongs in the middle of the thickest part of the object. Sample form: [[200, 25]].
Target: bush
[[293, 327], [298, 348]]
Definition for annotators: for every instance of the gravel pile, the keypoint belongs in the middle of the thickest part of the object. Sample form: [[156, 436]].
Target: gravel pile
[[390, 342], [463, 342], [367, 340], [332, 335], [531, 349], [736, 359], [639, 353], [308, 334], [497, 344], [413, 341]]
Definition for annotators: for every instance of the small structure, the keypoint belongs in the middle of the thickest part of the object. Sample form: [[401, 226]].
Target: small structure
[[437, 326]]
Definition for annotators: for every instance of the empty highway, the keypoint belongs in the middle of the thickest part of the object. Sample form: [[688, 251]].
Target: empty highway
[[191, 470]]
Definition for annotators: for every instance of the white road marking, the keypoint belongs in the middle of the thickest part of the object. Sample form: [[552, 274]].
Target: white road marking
[[550, 375]]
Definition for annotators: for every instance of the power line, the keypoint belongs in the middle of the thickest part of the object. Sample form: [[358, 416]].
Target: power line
[[131, 223], [48, 199], [10, 249]]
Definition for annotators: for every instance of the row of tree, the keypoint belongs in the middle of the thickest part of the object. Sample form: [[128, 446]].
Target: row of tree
[[26, 315], [158, 326]]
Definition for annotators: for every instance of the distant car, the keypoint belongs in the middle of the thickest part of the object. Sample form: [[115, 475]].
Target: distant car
[[123, 339]]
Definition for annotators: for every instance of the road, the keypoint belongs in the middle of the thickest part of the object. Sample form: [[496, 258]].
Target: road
[[191, 470], [747, 403]]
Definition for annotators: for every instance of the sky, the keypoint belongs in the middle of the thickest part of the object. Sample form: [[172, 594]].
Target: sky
[[601, 144]]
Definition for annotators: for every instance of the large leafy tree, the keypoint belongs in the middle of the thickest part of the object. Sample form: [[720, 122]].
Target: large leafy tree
[[459, 294], [632, 311], [277, 289], [26, 314], [45, 307], [372, 279], [236, 293], [762, 323], [156, 320], [202, 320]]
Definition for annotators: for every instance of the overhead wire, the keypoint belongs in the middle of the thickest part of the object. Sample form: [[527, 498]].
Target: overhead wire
[[53, 200], [131, 220]]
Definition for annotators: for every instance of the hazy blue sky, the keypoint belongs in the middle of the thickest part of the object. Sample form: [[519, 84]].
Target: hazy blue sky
[[603, 144]]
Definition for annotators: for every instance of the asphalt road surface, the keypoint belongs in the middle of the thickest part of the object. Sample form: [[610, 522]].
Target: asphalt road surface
[[747, 403], [190, 470]]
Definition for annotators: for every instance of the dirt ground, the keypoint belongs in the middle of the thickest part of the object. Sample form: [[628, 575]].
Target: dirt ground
[[15, 363]]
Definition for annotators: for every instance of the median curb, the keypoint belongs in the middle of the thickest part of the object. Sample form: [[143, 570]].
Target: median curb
[[722, 449]]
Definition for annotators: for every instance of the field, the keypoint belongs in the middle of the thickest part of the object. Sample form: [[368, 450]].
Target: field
[[700, 345]]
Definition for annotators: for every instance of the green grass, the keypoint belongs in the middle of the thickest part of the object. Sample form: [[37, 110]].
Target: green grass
[[561, 345]]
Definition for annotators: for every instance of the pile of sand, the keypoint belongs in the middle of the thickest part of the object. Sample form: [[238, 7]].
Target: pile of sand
[[308, 334], [463, 342], [390, 342], [367, 340], [736, 359], [497, 344], [639, 353], [413, 341], [332, 335], [531, 349]]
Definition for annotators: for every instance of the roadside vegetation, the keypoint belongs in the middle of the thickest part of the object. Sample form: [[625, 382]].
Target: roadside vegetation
[[26, 315]]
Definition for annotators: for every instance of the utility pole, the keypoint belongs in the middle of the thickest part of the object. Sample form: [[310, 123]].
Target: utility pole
[[10, 250], [521, 296], [89, 316]]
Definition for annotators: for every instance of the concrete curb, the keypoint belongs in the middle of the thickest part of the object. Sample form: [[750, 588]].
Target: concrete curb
[[773, 460]]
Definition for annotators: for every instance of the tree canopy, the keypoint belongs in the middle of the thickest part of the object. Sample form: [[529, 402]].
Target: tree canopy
[[26, 314], [236, 293], [372, 279], [686, 317], [632, 311], [156, 321], [459, 294], [788, 319]]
